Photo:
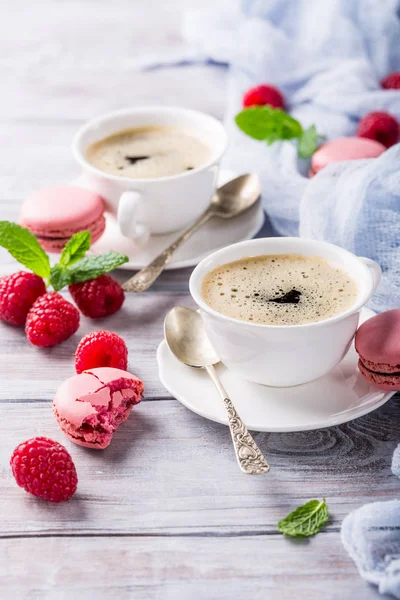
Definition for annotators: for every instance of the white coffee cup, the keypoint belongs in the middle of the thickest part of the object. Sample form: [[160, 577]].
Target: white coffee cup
[[163, 204], [285, 355]]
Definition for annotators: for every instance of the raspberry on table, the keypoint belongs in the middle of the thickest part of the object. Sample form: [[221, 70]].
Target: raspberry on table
[[45, 469], [262, 95], [17, 294], [379, 126], [51, 320], [391, 81], [98, 298], [101, 349]]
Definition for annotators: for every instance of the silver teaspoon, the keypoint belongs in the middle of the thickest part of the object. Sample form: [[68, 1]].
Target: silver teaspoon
[[228, 201], [187, 339]]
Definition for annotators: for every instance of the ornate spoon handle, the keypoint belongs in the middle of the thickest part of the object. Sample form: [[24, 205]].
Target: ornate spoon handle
[[147, 276], [250, 458]]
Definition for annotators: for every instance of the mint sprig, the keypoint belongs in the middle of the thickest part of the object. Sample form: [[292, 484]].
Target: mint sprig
[[24, 247], [306, 520], [270, 125], [73, 266], [90, 267]]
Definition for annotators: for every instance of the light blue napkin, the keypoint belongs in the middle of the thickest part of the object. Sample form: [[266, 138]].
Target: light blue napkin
[[328, 59], [371, 535], [356, 205], [396, 463]]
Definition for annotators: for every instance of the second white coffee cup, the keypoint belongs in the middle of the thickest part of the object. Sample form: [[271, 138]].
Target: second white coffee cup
[[285, 355], [163, 204]]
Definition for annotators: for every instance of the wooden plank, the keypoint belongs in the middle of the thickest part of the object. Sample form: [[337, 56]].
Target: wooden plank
[[139, 322], [256, 567], [169, 471]]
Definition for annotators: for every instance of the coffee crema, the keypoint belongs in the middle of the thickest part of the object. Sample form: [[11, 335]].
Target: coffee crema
[[279, 289], [148, 152]]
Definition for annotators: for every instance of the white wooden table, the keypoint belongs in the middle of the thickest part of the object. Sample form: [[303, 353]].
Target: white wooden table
[[164, 513]]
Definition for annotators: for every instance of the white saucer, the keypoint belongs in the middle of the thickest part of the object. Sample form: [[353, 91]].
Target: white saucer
[[214, 235], [336, 398]]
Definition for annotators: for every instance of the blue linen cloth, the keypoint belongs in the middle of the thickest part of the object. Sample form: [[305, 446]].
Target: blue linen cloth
[[371, 535], [396, 463], [328, 59]]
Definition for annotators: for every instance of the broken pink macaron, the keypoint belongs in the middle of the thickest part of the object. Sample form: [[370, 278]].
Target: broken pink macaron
[[89, 407]]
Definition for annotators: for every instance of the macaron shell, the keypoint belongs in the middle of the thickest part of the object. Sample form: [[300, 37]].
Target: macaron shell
[[67, 402], [80, 442], [377, 342], [61, 208], [107, 374], [380, 380], [102, 446], [346, 148]]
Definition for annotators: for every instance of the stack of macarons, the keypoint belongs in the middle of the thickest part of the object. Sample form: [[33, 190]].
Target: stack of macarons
[[56, 213], [345, 148], [377, 343]]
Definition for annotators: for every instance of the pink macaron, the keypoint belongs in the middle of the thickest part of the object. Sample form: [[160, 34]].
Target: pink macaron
[[377, 342], [346, 148], [89, 407], [56, 213]]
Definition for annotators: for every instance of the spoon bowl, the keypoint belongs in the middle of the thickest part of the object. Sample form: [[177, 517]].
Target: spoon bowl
[[236, 196], [187, 338]]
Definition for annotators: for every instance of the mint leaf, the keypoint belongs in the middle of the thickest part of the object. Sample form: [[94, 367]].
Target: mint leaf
[[268, 124], [59, 277], [75, 248], [23, 246], [87, 268], [308, 142], [306, 520], [94, 266]]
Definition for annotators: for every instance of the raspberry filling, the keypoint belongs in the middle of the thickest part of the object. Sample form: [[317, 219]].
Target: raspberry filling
[[108, 418]]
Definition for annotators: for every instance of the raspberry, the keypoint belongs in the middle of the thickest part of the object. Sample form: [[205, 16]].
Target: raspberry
[[391, 81], [45, 469], [17, 294], [101, 349], [379, 126], [263, 94], [51, 320], [99, 297]]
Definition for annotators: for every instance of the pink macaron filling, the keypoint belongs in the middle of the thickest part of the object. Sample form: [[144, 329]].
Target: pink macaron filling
[[383, 381], [55, 241], [89, 407]]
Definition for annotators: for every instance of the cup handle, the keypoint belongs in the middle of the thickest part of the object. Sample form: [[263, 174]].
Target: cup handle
[[375, 270], [127, 210]]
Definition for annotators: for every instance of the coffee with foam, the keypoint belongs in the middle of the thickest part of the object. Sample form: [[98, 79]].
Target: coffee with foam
[[148, 152], [281, 289]]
